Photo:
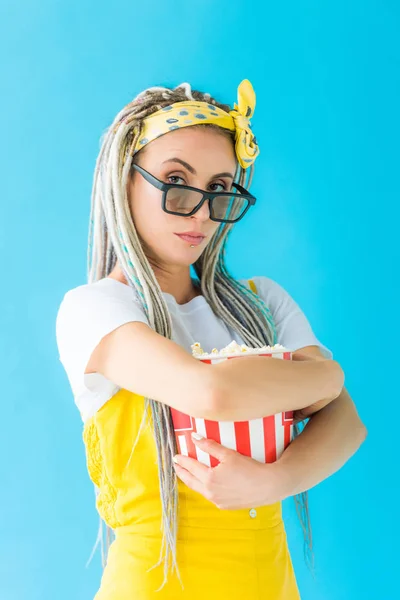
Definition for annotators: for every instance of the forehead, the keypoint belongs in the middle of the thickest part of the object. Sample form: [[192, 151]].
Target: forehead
[[197, 145]]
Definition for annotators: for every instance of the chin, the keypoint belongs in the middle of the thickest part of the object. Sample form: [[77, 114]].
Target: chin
[[185, 258]]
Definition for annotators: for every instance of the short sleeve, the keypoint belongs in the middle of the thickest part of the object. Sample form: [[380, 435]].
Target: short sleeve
[[293, 328], [86, 315]]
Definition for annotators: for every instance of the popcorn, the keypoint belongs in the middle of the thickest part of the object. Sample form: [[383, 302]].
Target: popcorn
[[263, 439], [234, 349], [197, 349]]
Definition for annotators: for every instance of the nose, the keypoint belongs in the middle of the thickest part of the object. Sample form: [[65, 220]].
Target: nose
[[203, 214]]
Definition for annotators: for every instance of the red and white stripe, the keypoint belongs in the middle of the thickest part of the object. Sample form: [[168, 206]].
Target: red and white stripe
[[263, 439]]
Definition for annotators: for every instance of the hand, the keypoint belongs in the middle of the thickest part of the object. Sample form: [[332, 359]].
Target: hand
[[236, 482], [301, 356], [308, 411]]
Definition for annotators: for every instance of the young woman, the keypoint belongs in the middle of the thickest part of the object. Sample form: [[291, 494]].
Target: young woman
[[171, 180]]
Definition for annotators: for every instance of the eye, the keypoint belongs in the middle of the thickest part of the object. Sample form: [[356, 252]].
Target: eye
[[176, 180], [214, 187]]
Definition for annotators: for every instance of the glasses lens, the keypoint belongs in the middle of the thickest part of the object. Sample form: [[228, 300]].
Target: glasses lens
[[182, 201], [228, 208], [224, 208]]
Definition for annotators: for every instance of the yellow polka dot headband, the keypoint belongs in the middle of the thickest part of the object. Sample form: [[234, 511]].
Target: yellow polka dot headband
[[185, 114]]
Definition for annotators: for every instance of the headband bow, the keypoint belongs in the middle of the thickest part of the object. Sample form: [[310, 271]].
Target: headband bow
[[185, 114], [246, 145]]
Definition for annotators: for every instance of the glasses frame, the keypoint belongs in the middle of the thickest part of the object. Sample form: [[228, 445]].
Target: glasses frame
[[164, 187]]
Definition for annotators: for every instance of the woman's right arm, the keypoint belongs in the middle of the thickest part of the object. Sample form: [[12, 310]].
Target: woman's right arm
[[140, 360], [257, 386]]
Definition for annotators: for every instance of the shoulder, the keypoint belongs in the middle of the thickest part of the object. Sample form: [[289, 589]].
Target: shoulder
[[294, 329], [105, 287], [87, 312], [96, 296], [278, 300], [269, 290]]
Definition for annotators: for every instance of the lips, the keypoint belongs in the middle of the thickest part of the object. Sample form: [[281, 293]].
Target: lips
[[193, 239]]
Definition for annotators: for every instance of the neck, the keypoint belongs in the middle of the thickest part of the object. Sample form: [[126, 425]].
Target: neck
[[182, 288]]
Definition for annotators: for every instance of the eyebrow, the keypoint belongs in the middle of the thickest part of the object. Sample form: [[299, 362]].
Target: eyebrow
[[192, 170]]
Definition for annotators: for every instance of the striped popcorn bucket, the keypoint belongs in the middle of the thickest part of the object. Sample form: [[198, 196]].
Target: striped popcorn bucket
[[263, 439]]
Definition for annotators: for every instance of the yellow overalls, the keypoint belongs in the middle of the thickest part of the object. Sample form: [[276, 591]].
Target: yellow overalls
[[221, 554]]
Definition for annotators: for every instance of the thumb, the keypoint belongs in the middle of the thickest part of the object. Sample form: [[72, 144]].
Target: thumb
[[301, 356], [211, 447]]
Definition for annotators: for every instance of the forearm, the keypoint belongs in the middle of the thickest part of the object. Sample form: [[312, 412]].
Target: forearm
[[329, 439], [254, 387]]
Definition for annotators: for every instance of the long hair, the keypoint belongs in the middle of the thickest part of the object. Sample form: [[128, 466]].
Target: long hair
[[113, 236]]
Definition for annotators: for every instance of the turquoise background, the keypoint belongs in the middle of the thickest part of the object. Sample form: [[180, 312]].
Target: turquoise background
[[325, 227]]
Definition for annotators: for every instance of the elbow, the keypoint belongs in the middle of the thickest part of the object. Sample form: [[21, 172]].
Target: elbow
[[205, 394], [364, 433], [213, 405], [361, 434], [213, 402]]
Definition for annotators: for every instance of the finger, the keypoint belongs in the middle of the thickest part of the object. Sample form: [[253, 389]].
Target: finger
[[196, 468], [301, 356], [213, 448], [298, 416], [189, 479]]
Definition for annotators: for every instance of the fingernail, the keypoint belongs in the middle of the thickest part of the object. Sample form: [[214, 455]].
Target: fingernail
[[175, 459], [197, 436]]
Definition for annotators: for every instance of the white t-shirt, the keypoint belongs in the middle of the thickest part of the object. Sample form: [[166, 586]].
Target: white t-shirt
[[89, 312]]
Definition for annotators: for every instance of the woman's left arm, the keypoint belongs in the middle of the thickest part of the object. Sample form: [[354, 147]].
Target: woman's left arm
[[331, 436]]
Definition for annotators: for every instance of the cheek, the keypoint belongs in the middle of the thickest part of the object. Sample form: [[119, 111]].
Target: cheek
[[154, 226], [150, 220]]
